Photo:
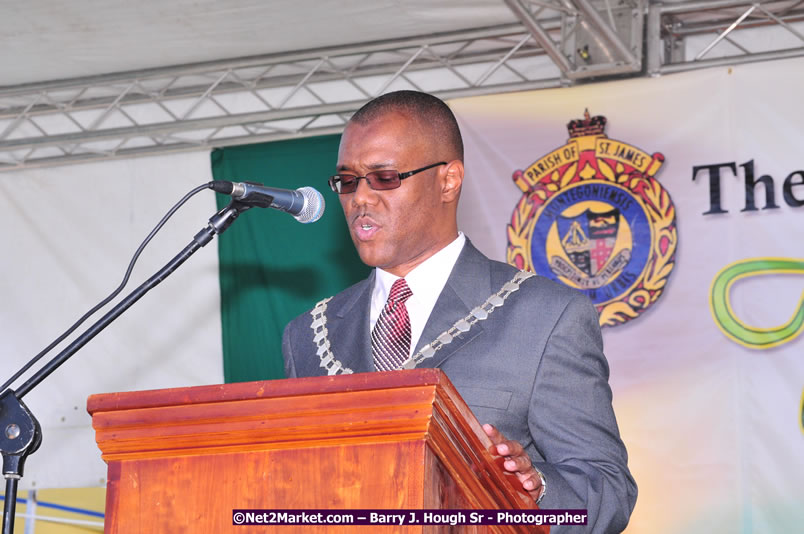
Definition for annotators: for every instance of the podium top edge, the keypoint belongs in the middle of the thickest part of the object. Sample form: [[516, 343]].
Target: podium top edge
[[130, 400]]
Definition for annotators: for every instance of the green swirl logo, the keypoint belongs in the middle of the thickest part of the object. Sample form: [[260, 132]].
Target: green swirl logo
[[730, 324]]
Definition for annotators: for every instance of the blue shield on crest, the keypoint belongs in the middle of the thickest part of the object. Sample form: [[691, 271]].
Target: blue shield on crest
[[588, 239]]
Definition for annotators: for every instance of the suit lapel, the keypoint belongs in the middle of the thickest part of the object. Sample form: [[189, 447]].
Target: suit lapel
[[349, 330], [468, 285]]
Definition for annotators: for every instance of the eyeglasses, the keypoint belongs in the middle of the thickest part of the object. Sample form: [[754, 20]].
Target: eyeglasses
[[343, 184]]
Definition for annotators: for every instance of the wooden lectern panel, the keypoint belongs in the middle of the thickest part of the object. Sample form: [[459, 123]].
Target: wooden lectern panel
[[181, 459]]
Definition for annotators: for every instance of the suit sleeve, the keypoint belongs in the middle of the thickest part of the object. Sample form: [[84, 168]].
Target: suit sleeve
[[572, 422]]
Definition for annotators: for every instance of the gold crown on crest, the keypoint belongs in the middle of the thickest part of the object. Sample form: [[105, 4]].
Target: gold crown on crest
[[587, 126]]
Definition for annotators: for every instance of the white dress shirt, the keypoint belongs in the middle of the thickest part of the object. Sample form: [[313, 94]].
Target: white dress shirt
[[426, 281]]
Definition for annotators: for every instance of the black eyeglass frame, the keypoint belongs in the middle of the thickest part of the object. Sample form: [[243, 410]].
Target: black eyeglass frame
[[335, 182]]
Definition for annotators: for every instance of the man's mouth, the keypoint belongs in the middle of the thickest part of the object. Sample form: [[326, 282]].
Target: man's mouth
[[364, 229]]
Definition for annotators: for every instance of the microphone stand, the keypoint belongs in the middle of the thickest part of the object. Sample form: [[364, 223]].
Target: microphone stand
[[20, 433]]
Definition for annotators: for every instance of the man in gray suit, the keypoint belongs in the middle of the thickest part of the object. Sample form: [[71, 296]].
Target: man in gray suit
[[525, 353]]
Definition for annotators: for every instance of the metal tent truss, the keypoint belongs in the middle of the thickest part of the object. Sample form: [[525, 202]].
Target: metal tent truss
[[272, 97]]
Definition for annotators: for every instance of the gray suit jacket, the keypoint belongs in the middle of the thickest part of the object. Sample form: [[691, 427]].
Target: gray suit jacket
[[535, 369]]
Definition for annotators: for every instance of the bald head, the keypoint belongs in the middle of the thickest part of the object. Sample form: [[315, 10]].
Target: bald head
[[434, 116]]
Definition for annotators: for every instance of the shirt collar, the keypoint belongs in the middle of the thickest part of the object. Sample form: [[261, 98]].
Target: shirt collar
[[426, 280]]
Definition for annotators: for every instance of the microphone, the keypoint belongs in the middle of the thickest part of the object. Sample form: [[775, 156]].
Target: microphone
[[305, 204]]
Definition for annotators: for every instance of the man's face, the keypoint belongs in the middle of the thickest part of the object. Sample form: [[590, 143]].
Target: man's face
[[399, 228]]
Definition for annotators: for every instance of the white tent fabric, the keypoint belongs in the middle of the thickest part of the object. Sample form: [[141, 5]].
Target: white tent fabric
[[68, 235], [51, 39]]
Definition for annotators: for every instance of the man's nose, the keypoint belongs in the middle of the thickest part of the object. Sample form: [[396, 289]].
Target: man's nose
[[364, 194]]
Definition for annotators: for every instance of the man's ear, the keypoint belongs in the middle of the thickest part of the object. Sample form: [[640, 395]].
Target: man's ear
[[452, 181]]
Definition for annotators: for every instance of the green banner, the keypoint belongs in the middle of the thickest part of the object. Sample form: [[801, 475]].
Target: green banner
[[272, 268]]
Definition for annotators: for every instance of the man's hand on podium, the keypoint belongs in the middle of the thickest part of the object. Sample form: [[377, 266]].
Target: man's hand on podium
[[517, 462]]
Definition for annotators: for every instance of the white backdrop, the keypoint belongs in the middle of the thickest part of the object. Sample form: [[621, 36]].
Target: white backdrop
[[68, 235], [713, 428]]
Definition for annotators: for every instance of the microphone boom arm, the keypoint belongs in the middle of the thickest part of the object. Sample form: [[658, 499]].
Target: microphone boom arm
[[20, 432]]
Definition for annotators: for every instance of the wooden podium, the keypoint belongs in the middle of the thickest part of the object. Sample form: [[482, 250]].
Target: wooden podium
[[180, 460]]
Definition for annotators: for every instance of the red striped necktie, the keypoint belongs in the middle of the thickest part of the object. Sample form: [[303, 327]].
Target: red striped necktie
[[390, 339]]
